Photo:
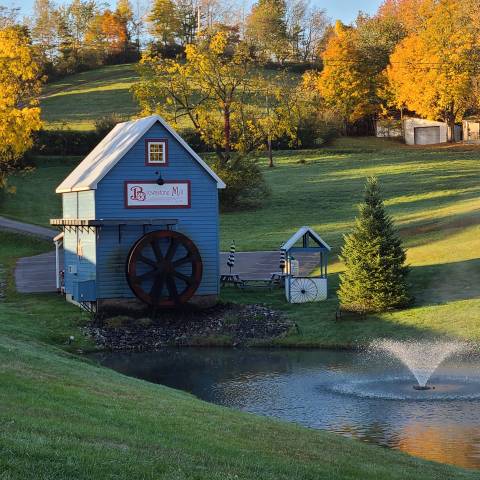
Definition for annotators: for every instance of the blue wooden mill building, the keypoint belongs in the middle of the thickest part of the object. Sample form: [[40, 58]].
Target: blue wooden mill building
[[140, 221]]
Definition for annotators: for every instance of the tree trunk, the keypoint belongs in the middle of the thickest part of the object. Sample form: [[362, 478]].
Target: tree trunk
[[451, 128], [270, 153], [450, 119], [226, 131]]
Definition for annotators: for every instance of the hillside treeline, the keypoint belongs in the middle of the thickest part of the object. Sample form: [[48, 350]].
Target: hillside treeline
[[84, 34]]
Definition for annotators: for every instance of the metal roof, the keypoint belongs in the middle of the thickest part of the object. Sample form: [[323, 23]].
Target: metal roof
[[290, 243], [113, 148]]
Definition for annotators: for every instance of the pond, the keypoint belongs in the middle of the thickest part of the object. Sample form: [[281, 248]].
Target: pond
[[350, 393]]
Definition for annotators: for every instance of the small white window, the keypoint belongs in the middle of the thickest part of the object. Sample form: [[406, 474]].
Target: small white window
[[157, 152]]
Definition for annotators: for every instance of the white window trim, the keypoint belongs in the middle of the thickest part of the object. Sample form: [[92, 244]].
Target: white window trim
[[164, 152]]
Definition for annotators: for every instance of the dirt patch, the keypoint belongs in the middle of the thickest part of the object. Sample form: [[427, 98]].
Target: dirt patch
[[227, 324]]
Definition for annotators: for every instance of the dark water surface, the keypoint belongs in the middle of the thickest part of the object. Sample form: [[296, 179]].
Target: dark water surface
[[350, 393]]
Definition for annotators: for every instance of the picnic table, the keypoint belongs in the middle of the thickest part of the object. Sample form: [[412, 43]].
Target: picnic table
[[234, 279]]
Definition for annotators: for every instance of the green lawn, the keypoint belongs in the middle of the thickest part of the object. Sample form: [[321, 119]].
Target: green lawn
[[78, 100], [433, 194], [63, 417]]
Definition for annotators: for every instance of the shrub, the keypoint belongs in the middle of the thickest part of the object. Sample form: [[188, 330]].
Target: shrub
[[194, 139], [246, 186], [64, 142], [375, 276], [104, 124]]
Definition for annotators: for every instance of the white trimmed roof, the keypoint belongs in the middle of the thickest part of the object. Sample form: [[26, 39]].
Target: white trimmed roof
[[113, 148], [299, 234]]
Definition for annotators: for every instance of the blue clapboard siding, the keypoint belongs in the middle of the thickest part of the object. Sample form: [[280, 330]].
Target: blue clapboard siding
[[200, 222], [79, 204], [86, 263]]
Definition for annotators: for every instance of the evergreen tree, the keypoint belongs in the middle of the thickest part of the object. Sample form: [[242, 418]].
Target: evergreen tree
[[266, 29], [375, 276], [164, 21]]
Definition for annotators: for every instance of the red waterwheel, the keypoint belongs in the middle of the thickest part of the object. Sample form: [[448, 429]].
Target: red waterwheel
[[164, 268]]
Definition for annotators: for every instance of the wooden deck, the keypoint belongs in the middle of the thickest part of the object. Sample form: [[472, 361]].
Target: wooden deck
[[37, 274]]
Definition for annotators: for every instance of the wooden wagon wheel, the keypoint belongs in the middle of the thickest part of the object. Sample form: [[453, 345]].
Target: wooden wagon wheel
[[164, 268], [303, 290]]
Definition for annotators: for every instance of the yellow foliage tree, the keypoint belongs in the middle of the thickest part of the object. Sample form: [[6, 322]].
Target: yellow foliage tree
[[432, 71], [346, 83], [411, 14], [218, 90], [19, 88]]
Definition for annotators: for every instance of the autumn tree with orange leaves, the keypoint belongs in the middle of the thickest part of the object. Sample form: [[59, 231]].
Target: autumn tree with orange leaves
[[432, 72], [108, 33], [347, 84]]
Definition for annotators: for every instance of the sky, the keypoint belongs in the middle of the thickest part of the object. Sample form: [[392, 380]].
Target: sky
[[345, 10]]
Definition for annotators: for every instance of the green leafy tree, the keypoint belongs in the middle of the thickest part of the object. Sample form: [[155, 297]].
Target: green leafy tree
[[375, 276], [44, 29], [73, 24], [164, 22], [266, 29]]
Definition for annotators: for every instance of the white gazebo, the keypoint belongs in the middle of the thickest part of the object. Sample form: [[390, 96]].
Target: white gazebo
[[302, 289]]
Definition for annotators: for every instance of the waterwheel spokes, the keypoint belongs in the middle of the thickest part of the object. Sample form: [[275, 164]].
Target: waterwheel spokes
[[172, 288], [144, 259], [172, 248], [161, 280], [157, 287], [144, 276], [187, 279], [181, 261], [155, 244]]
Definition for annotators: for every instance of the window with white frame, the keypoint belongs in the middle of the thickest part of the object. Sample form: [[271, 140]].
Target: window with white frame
[[157, 151]]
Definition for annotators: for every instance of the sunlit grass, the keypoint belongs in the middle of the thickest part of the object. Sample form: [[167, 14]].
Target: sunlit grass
[[63, 417], [78, 100]]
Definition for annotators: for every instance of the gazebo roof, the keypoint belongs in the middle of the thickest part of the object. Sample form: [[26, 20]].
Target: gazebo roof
[[300, 234]]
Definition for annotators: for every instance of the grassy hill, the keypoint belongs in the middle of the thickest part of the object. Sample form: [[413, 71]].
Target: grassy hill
[[77, 100], [63, 417], [432, 193]]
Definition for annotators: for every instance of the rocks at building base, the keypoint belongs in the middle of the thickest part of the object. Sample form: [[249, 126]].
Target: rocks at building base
[[225, 324]]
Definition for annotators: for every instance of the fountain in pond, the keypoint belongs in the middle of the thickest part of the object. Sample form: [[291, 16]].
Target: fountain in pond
[[422, 358]]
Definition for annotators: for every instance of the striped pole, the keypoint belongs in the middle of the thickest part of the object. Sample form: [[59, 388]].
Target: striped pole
[[283, 260], [231, 256]]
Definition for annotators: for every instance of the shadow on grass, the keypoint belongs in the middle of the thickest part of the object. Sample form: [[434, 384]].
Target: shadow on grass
[[447, 282]]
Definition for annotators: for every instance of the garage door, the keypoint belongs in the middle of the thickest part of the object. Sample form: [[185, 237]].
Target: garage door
[[426, 135]]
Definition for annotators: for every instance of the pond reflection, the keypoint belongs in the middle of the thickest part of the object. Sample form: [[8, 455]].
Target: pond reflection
[[344, 392]]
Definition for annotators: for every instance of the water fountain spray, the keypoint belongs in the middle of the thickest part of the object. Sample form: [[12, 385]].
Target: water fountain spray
[[422, 358]]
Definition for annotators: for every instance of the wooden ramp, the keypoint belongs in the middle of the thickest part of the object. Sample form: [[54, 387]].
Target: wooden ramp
[[36, 274]]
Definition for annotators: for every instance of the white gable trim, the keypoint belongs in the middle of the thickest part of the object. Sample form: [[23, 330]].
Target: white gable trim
[[113, 148], [299, 234]]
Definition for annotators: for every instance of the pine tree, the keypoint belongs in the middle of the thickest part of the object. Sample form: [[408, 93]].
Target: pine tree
[[375, 276]]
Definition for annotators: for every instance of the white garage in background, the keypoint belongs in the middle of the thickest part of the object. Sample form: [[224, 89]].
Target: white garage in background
[[418, 131]]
